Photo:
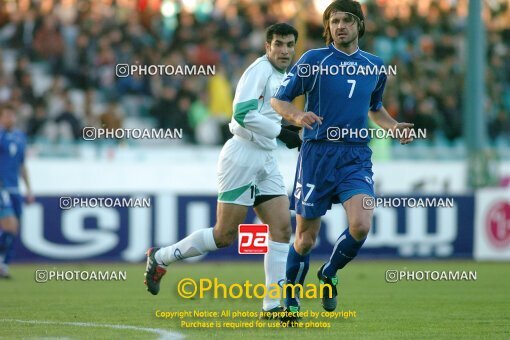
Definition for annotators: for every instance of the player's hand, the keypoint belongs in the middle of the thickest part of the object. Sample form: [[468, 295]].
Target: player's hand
[[29, 198], [307, 119], [406, 132]]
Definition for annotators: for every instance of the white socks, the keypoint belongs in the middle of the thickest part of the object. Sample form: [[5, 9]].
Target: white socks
[[198, 243], [202, 241], [275, 262]]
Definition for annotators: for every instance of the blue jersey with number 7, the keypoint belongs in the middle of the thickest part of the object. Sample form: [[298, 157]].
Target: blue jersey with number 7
[[339, 87]]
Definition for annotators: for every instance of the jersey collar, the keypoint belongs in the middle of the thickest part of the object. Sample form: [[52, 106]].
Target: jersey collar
[[333, 47], [274, 67]]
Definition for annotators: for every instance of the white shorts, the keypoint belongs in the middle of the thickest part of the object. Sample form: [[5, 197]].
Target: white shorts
[[246, 171]]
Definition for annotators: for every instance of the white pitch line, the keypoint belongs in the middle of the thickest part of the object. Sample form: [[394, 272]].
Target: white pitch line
[[163, 334]]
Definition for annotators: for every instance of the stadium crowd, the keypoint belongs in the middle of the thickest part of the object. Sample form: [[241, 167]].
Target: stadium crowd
[[58, 62]]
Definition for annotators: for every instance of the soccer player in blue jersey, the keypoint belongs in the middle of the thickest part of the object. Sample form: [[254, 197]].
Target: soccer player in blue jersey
[[332, 169], [12, 165], [8, 224]]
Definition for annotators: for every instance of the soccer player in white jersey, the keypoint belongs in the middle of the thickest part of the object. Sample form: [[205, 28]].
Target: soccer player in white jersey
[[248, 173]]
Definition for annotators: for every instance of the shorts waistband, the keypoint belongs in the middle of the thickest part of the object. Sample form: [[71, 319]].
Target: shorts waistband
[[246, 142], [239, 138]]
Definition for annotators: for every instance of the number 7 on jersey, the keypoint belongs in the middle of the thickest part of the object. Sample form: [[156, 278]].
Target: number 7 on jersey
[[353, 85]]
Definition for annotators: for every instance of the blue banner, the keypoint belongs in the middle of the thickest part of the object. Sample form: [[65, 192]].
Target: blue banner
[[119, 233]]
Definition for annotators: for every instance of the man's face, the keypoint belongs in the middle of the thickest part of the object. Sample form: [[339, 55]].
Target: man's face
[[281, 50], [7, 118], [343, 27]]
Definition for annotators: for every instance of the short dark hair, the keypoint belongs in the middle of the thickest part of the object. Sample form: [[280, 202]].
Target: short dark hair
[[280, 29], [350, 6]]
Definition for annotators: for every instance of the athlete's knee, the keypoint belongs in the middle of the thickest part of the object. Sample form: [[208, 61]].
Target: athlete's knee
[[359, 229], [304, 243], [280, 233], [10, 225], [224, 237], [286, 232]]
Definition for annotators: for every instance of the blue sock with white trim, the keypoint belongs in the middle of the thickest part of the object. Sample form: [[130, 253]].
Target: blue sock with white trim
[[346, 248], [6, 244], [297, 268]]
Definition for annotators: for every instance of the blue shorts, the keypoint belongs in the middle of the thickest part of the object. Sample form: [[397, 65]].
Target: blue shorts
[[6, 208], [330, 172], [17, 205]]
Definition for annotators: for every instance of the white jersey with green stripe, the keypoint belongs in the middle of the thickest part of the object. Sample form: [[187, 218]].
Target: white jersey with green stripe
[[254, 119]]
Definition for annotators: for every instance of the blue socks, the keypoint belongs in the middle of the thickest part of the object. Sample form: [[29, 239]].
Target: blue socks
[[346, 248], [297, 267], [6, 244]]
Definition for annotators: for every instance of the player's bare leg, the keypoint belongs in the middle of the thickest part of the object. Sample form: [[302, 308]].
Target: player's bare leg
[[307, 231], [359, 218], [202, 241], [228, 218], [9, 226], [275, 212], [346, 247]]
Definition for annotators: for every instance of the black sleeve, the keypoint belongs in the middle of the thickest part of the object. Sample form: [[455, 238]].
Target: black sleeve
[[290, 136]]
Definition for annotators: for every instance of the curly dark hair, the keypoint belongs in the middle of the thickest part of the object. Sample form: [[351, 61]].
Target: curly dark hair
[[350, 6]]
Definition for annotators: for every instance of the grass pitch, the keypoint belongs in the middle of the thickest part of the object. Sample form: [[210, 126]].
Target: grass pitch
[[124, 309]]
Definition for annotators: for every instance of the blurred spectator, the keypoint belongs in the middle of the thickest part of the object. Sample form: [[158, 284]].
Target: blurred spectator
[[500, 126], [22, 68], [206, 127], [76, 47], [79, 68], [165, 107], [111, 118], [23, 36], [70, 126], [27, 89], [49, 44], [5, 89], [427, 118], [179, 118], [220, 95], [452, 117], [134, 84], [199, 111], [55, 97], [37, 123], [220, 103]]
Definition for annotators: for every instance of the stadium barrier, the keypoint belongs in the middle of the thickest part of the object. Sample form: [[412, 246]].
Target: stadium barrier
[[182, 195], [123, 233]]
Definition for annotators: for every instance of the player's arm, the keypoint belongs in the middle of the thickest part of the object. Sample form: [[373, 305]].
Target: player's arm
[[295, 116], [249, 90], [24, 176], [382, 118], [294, 85]]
